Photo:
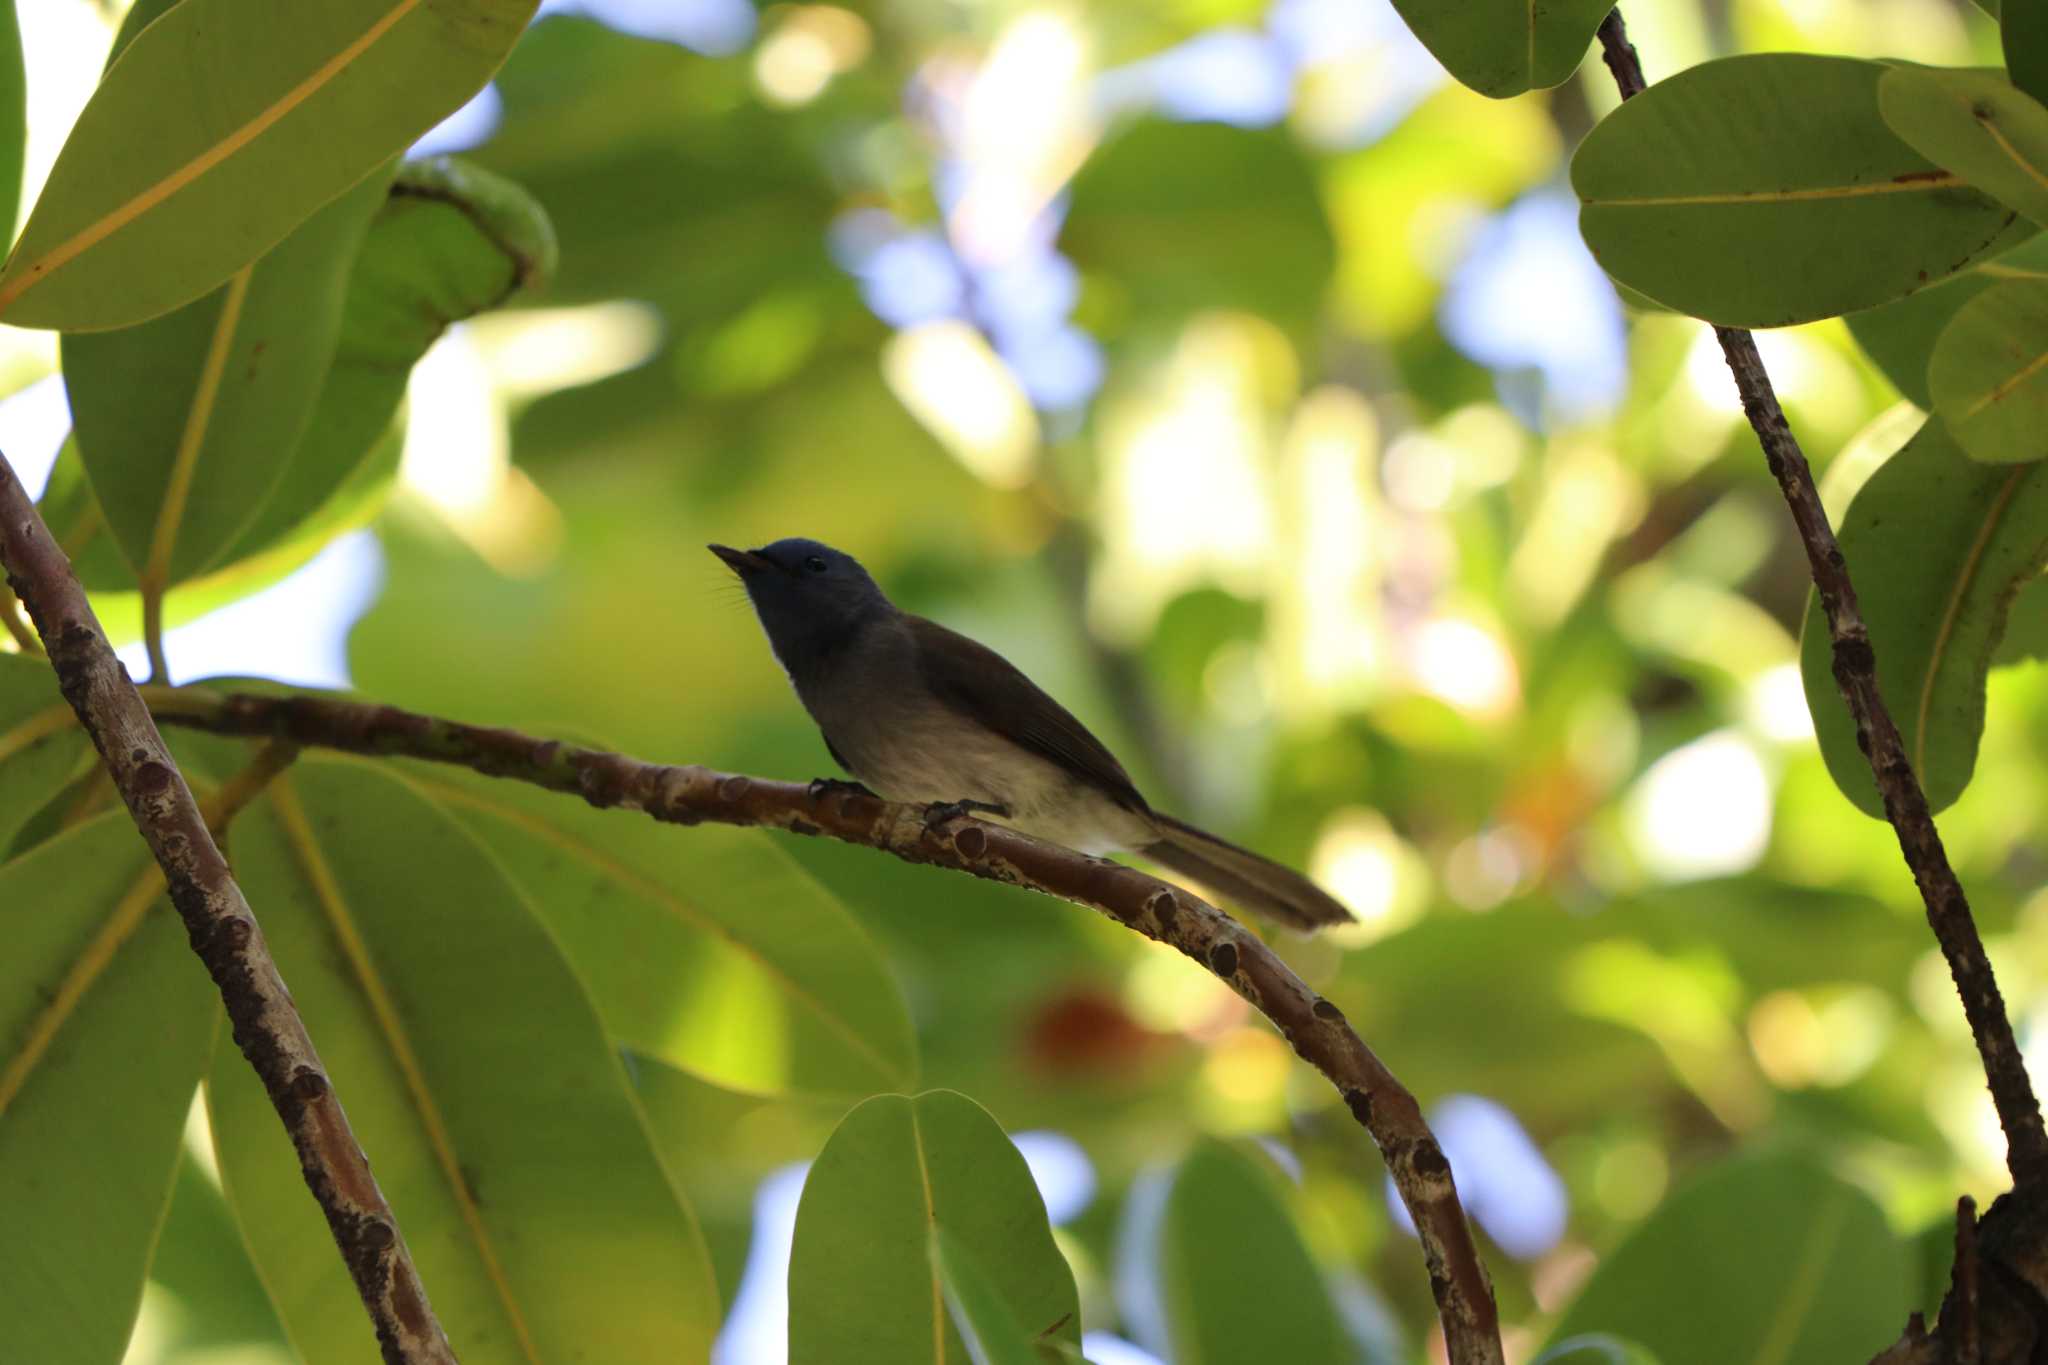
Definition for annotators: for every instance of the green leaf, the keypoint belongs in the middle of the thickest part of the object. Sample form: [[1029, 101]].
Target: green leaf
[[1899, 336], [1761, 191], [2023, 33], [1989, 373], [708, 948], [13, 118], [1237, 1281], [1596, 1348], [191, 161], [478, 1078], [1191, 216], [185, 422], [863, 1286], [1504, 47], [41, 745], [975, 1302], [1939, 544], [106, 1022], [1697, 1285], [1976, 125], [201, 1262], [449, 241]]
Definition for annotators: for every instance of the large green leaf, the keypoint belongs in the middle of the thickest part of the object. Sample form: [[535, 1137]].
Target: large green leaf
[[1697, 1285], [1940, 545], [1236, 1280], [449, 241], [863, 1283], [1899, 336], [106, 1021], [1989, 373], [710, 949], [1188, 216], [1761, 191], [1503, 47], [974, 1298], [191, 161], [1975, 124], [186, 422], [202, 1264], [41, 745], [478, 1077]]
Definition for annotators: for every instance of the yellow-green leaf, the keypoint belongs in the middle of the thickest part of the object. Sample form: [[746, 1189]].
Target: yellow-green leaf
[[475, 1073], [106, 1021], [192, 159]]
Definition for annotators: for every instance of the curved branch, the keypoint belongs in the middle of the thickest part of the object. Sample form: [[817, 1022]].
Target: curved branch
[[223, 930], [1315, 1028]]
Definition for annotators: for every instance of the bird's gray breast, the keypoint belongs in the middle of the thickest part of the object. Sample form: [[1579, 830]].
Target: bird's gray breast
[[904, 743]]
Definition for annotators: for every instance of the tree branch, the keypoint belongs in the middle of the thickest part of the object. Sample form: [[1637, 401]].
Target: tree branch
[[1983, 1318], [1855, 668], [1315, 1028], [222, 928]]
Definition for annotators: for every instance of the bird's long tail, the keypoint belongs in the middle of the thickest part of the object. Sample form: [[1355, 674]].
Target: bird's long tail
[[1244, 878]]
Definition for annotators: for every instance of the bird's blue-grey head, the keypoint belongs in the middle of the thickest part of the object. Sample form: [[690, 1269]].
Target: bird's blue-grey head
[[811, 598]]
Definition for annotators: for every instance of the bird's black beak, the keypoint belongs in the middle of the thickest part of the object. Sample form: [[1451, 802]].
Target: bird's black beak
[[742, 562]]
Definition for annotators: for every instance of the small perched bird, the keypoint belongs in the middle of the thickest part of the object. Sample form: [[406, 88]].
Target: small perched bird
[[921, 713]]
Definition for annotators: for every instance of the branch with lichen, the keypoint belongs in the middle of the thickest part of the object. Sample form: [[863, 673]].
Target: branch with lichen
[[221, 926], [1316, 1029]]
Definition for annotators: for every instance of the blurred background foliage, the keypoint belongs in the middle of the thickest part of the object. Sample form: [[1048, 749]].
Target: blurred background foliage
[[1244, 381]]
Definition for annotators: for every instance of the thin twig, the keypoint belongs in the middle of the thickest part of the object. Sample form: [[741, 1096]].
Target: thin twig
[[1855, 668], [222, 928], [691, 795]]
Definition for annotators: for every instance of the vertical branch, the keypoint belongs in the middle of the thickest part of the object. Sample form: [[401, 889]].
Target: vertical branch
[[1855, 669], [222, 928]]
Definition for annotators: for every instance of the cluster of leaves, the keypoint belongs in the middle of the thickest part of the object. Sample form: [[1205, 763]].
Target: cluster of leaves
[[573, 1044]]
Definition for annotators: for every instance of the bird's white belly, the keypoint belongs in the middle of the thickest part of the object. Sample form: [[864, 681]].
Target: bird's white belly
[[945, 757]]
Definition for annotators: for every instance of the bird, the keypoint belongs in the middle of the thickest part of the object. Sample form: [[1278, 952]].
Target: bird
[[920, 713]]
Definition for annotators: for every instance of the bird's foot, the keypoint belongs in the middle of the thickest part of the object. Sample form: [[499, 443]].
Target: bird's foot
[[822, 787], [939, 812]]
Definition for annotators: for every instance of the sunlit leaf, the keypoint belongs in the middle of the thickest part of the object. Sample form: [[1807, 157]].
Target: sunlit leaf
[[13, 118], [1899, 336], [1989, 373], [1696, 1285], [1761, 191], [975, 1301], [1976, 125], [1504, 47], [185, 423], [1236, 1281], [191, 161], [106, 1022], [708, 948], [1940, 544], [448, 242], [476, 1073], [863, 1285]]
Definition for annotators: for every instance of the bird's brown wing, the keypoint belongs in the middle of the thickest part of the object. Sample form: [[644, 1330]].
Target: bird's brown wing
[[982, 685]]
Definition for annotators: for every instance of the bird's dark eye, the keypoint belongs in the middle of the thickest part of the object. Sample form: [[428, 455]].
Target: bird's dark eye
[[816, 564]]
